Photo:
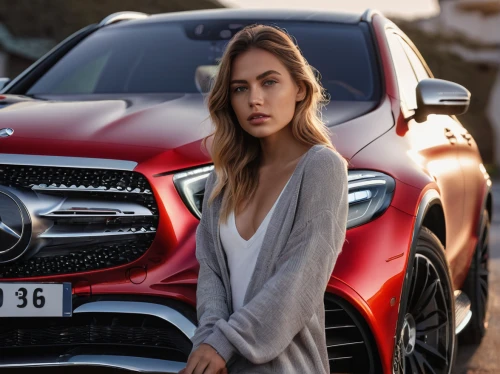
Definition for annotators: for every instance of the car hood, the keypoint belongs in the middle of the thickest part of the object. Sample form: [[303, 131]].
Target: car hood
[[140, 127]]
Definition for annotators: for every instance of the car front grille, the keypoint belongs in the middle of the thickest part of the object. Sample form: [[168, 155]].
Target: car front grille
[[351, 348], [141, 335], [83, 219]]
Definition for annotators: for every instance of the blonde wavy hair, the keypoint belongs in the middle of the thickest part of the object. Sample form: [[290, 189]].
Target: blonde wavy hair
[[235, 153]]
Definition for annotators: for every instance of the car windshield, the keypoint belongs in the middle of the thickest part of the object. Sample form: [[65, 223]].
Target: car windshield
[[181, 57]]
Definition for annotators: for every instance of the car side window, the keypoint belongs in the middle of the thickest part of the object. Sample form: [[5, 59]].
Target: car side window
[[415, 61], [407, 81]]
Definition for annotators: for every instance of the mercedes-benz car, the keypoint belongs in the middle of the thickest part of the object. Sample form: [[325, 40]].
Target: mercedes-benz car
[[102, 178]]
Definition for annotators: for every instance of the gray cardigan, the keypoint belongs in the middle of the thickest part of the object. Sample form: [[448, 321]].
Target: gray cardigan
[[281, 326]]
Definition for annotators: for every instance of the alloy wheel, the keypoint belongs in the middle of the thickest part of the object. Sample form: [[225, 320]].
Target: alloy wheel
[[426, 342]]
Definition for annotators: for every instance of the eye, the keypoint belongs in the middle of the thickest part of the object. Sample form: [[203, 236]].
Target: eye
[[271, 82], [239, 89]]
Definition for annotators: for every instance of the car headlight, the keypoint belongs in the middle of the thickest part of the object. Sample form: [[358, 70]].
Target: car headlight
[[191, 187], [370, 193]]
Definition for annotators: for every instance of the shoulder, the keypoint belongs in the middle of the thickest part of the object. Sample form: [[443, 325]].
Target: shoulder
[[209, 186], [324, 186], [210, 179], [325, 166], [210, 182]]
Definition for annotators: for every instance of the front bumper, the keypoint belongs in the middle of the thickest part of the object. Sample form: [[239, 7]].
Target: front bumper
[[131, 335], [137, 364]]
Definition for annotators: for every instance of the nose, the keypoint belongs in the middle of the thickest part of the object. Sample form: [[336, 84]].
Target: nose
[[255, 97]]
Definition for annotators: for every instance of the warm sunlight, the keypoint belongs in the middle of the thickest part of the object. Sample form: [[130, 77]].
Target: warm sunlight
[[398, 8]]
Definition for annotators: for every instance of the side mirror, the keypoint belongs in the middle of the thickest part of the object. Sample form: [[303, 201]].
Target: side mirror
[[437, 96], [4, 82], [204, 77]]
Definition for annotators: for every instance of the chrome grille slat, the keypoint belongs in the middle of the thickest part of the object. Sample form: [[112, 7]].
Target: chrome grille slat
[[87, 213], [66, 214], [102, 190], [340, 327], [76, 235], [73, 208], [343, 344], [93, 235], [340, 358]]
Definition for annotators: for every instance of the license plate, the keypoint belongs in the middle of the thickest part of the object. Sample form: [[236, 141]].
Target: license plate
[[35, 300]]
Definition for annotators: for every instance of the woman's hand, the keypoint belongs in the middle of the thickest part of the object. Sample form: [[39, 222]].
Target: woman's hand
[[205, 360]]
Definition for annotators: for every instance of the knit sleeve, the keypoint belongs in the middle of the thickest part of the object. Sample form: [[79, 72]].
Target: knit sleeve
[[267, 324], [211, 300]]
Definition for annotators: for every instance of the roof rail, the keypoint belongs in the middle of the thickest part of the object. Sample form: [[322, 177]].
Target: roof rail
[[121, 16], [369, 13]]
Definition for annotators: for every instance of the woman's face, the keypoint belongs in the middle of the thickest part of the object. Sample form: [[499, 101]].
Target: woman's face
[[263, 93]]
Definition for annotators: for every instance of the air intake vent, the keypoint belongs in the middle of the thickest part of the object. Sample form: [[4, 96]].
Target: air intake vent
[[350, 345], [137, 334], [83, 219]]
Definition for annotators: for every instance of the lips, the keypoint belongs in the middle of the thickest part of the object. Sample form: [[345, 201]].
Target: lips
[[258, 120], [256, 115]]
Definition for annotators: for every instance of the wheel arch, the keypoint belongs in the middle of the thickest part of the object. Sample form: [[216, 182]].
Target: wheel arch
[[429, 211], [489, 204], [434, 220]]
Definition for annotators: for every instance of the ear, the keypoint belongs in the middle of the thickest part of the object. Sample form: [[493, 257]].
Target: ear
[[301, 92]]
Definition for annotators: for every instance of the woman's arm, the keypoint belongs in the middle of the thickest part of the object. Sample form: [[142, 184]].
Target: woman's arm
[[266, 325], [211, 300]]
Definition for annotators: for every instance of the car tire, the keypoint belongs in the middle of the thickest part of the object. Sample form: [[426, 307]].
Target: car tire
[[476, 287], [426, 341]]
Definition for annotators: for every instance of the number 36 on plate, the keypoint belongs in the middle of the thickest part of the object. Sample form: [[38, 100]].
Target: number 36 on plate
[[35, 300]]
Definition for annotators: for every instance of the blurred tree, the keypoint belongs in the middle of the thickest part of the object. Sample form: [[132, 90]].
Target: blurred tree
[[57, 19]]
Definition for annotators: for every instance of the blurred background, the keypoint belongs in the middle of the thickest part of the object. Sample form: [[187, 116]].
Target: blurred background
[[459, 39]]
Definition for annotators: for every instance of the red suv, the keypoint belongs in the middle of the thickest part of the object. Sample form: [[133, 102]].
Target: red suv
[[102, 179]]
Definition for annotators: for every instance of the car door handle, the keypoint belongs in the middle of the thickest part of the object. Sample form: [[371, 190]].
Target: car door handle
[[450, 136], [467, 137]]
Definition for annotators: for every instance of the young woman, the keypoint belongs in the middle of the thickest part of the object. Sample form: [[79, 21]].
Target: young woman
[[274, 214]]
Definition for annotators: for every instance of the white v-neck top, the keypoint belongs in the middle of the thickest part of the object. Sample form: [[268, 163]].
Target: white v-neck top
[[242, 254]]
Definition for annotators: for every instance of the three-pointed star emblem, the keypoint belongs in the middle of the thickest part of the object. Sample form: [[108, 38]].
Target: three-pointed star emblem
[[7, 233], [6, 132], [11, 223]]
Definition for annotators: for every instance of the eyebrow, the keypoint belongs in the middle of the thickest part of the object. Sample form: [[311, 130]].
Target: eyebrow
[[259, 77]]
